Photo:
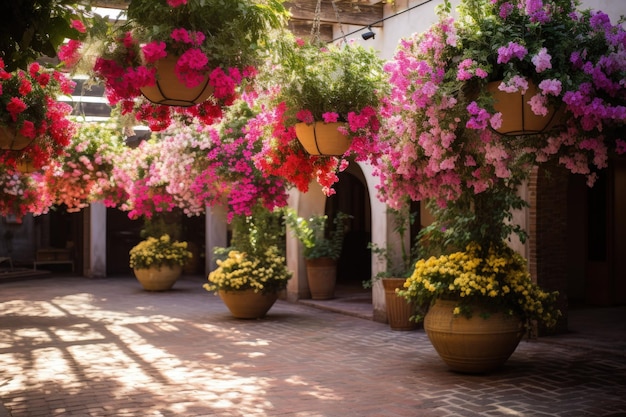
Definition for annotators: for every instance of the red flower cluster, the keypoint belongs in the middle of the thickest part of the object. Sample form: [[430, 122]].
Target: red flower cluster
[[28, 109]]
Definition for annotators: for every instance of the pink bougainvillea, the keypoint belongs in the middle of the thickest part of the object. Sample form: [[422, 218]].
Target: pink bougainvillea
[[438, 136]]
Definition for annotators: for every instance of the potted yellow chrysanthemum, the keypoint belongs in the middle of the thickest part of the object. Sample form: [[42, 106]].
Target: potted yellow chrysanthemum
[[252, 272], [158, 262]]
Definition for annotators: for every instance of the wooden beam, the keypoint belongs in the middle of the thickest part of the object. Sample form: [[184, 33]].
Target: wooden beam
[[349, 12], [302, 29]]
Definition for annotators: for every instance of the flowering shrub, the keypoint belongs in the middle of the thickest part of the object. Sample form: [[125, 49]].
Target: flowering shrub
[[240, 271], [18, 193], [438, 137], [256, 259], [158, 252], [222, 39], [28, 107], [84, 172], [192, 167], [497, 281]]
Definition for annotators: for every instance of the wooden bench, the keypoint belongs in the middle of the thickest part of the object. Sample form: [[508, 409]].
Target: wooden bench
[[7, 259], [53, 257]]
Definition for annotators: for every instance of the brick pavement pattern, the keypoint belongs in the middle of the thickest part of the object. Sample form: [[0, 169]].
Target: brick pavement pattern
[[79, 347]]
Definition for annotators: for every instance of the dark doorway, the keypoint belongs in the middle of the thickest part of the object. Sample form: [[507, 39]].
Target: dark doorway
[[596, 241], [352, 198]]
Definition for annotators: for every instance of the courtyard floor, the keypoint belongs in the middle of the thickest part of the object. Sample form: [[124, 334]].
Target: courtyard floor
[[72, 346]]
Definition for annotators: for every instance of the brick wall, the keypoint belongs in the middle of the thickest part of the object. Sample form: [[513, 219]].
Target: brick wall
[[547, 230]]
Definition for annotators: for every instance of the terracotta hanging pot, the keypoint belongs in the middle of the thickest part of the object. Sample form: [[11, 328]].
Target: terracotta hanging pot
[[319, 138], [478, 344], [170, 91], [25, 166], [517, 116], [10, 139], [247, 304]]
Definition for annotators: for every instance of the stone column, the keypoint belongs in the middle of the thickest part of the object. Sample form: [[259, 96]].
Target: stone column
[[216, 234], [97, 241]]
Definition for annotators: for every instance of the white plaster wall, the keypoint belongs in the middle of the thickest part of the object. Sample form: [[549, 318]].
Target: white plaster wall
[[216, 229], [306, 204]]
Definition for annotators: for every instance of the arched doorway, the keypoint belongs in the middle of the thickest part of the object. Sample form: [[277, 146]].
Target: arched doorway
[[352, 197]]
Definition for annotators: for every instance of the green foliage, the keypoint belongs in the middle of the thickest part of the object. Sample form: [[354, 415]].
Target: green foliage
[[484, 218], [237, 31], [254, 234], [401, 221], [328, 78], [162, 223], [318, 240], [32, 28]]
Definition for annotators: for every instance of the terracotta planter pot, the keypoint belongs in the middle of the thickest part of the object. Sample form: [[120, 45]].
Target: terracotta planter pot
[[474, 345], [25, 166], [170, 91], [322, 276], [11, 140], [158, 278], [321, 138], [247, 304], [399, 310], [517, 115]]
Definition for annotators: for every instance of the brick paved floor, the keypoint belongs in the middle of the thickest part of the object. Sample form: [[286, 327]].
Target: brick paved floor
[[79, 347]]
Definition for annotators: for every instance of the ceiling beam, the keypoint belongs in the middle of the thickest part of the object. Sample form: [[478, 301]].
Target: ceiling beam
[[348, 12]]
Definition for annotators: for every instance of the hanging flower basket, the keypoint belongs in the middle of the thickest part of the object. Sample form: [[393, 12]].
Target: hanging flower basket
[[319, 138], [517, 116], [25, 166], [169, 90], [11, 140]]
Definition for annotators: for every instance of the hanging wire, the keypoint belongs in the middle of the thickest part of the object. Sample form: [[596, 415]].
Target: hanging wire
[[315, 29], [343, 35]]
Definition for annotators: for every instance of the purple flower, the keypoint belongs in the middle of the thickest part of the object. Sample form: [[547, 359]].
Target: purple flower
[[512, 50]]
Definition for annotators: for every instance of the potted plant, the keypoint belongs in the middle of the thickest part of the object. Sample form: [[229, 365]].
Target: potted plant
[[252, 271], [33, 125], [322, 249], [477, 295], [188, 53], [398, 267], [158, 262], [442, 141], [330, 93]]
